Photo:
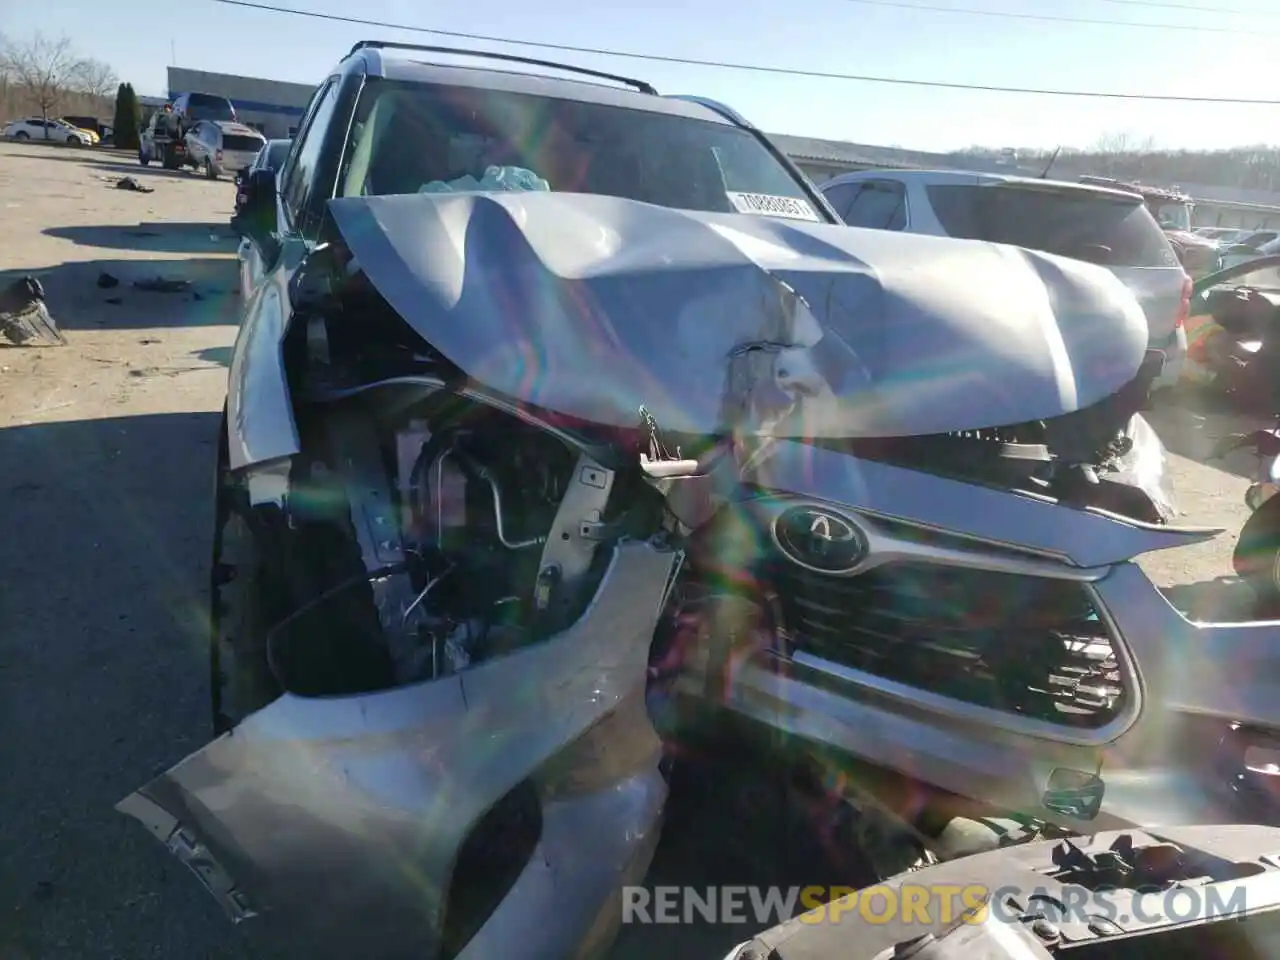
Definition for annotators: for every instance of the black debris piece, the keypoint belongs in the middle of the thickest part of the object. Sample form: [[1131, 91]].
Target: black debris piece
[[129, 183], [106, 281], [162, 285], [24, 318], [115, 300]]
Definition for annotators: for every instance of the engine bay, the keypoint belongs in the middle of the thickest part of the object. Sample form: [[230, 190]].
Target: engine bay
[[479, 533]]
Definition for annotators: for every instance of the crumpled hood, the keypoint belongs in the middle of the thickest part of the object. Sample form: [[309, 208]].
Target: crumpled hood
[[593, 306]]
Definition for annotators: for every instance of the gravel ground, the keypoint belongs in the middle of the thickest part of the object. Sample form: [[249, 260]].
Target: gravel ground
[[106, 450]]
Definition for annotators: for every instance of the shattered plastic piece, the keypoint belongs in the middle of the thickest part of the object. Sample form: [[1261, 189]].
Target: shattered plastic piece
[[505, 179], [162, 285], [106, 281], [24, 318]]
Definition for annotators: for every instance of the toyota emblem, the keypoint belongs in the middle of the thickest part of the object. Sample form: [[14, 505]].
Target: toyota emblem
[[820, 540]]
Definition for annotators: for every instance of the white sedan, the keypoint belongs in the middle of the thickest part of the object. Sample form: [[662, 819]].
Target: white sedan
[[35, 128]]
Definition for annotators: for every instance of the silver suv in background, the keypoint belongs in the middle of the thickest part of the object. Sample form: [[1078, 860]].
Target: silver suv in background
[[1110, 227]]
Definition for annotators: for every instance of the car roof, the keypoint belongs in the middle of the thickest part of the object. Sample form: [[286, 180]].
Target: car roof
[[413, 67], [976, 178]]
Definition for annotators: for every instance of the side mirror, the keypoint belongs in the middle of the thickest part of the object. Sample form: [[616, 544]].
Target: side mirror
[[1074, 793], [259, 212]]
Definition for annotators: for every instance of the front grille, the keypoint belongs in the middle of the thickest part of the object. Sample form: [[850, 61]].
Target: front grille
[[1023, 645]]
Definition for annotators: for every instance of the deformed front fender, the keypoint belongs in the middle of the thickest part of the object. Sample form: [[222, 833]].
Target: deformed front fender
[[342, 818]]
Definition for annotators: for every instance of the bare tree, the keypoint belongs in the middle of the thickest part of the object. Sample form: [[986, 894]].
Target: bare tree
[[44, 69], [96, 78]]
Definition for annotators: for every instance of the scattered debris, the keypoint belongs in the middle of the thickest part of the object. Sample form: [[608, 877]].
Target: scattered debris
[[143, 233], [115, 301], [162, 285], [146, 340], [24, 318], [142, 372], [129, 183], [196, 296], [106, 281]]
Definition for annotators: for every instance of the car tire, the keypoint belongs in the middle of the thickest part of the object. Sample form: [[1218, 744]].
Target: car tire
[[22, 135], [1256, 558], [266, 568], [143, 159], [209, 170], [240, 616]]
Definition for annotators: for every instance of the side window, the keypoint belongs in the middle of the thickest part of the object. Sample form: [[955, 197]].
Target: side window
[[880, 205], [841, 196], [296, 179]]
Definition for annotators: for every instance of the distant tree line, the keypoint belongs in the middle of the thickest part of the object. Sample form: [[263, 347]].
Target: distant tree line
[[1126, 157], [47, 77]]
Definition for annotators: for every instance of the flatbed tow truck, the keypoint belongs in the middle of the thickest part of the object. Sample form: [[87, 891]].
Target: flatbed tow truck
[[164, 137], [163, 140]]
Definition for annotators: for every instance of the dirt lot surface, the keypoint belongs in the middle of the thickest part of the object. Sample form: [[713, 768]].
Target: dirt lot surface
[[106, 453]]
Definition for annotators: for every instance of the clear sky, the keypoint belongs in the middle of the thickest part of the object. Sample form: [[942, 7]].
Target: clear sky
[[840, 36]]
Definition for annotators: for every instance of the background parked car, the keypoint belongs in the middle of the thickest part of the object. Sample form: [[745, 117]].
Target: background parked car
[[57, 131], [1110, 227], [1253, 244], [220, 146], [270, 157], [89, 125], [1222, 235]]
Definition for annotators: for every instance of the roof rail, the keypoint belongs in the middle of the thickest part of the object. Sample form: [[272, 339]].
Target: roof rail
[[715, 106], [505, 57]]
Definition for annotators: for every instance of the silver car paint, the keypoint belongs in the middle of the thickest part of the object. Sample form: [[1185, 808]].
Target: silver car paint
[[256, 381], [264, 813], [342, 817], [1178, 672], [894, 334], [990, 312]]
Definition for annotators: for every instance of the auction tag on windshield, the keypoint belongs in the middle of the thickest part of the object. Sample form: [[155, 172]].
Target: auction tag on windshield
[[770, 206]]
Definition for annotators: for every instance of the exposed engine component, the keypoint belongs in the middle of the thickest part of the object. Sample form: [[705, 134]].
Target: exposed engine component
[[1081, 459], [481, 496], [479, 532]]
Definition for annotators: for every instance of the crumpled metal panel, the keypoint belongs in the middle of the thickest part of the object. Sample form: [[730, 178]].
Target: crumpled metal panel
[[721, 321], [340, 818], [986, 514], [24, 318]]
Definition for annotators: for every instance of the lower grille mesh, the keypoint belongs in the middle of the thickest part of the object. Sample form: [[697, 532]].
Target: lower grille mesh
[[1023, 645]]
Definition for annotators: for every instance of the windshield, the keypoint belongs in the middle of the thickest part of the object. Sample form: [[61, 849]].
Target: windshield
[[1098, 227], [276, 151], [205, 106], [241, 143], [410, 138], [1173, 215]]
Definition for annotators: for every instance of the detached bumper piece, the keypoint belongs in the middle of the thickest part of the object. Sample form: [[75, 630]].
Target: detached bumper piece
[[496, 812], [24, 318]]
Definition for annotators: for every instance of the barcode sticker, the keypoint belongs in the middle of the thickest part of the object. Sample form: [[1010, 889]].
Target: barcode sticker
[[770, 206]]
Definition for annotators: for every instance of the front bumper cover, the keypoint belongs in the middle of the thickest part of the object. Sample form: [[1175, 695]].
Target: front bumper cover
[[337, 823]]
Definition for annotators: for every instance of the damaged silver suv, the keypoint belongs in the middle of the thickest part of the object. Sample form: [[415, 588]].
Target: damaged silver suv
[[565, 419]]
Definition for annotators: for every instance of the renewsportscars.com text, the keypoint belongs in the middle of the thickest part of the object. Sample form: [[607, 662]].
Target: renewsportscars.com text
[[918, 903]]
